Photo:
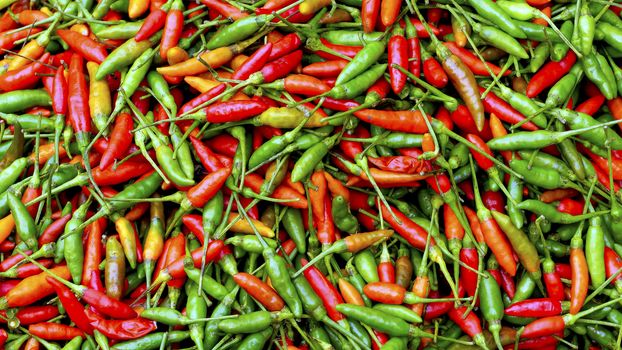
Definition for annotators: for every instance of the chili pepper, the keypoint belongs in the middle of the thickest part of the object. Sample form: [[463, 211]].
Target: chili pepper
[[54, 331], [523, 247], [260, 291], [549, 74], [468, 256], [74, 309], [24, 224], [121, 329]]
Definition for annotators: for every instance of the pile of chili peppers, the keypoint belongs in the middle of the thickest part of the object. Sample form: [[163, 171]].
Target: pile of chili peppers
[[310, 174]]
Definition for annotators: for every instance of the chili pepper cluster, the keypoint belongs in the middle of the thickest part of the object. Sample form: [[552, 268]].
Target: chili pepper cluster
[[310, 174]]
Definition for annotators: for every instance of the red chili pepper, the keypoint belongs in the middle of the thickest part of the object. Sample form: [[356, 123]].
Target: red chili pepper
[[591, 105], [471, 324], [254, 63], [79, 114], [120, 140], [54, 230], [8, 39], [549, 74], [276, 4], [325, 290], [317, 195], [73, 307], [173, 27], [349, 51], [259, 290], [408, 229], [208, 158], [202, 98], [283, 191], [121, 173], [570, 206], [464, 121], [468, 278], [281, 66], [613, 263], [398, 54], [482, 161], [544, 326], [284, 46], [12, 260], [24, 77], [54, 331], [580, 278], [121, 329], [433, 71], [226, 10], [83, 45], [7, 22], [542, 307], [202, 192], [175, 267], [494, 200], [152, 23], [325, 69], [369, 14], [405, 121], [232, 111], [494, 104], [59, 92], [306, 85], [93, 249], [33, 314]]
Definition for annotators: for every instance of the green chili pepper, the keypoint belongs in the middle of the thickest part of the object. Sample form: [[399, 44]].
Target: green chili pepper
[[19, 100], [281, 281], [125, 55], [122, 31], [210, 286], [196, 308], [400, 311], [545, 160], [237, 31], [540, 176], [364, 59], [525, 287], [501, 40], [550, 212], [255, 341], [488, 9], [293, 225], [539, 57], [351, 37], [153, 340], [358, 85], [24, 223], [366, 266], [73, 344], [379, 320], [29, 122], [560, 49], [595, 252], [311, 157], [73, 248], [537, 32], [593, 71], [491, 303], [211, 327], [343, 218], [252, 322]]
